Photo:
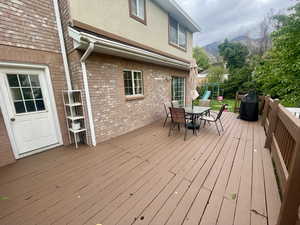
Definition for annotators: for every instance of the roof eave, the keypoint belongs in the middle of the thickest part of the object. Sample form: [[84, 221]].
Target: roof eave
[[175, 10], [115, 48]]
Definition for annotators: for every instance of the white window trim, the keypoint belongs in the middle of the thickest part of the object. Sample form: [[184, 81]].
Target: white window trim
[[178, 27], [133, 85]]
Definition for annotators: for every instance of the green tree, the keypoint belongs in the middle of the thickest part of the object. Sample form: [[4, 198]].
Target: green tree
[[241, 80], [234, 54], [278, 73], [215, 74], [201, 57]]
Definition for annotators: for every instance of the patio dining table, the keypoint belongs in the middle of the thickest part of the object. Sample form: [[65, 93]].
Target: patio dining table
[[195, 112]]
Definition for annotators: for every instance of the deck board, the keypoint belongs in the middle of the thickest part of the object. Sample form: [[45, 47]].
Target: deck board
[[146, 177]]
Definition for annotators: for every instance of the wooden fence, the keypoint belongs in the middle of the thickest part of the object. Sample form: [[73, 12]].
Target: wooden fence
[[283, 140]]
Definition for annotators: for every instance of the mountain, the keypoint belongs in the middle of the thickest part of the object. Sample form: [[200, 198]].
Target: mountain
[[213, 50]]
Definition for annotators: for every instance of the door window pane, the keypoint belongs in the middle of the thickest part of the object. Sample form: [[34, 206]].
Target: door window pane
[[40, 105], [13, 80], [16, 94], [34, 79], [27, 93], [19, 106], [29, 98], [30, 106], [37, 92], [24, 80]]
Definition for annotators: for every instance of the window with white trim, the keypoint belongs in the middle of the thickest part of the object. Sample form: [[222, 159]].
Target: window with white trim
[[138, 10], [133, 83], [177, 34]]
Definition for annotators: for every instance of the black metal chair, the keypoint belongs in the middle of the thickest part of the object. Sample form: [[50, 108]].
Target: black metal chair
[[178, 117], [214, 119], [168, 114]]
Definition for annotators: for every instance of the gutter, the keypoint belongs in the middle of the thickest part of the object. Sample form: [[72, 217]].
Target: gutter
[[62, 44], [83, 66], [87, 90], [82, 39]]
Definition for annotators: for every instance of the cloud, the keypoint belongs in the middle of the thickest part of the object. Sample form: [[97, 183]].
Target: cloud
[[229, 18]]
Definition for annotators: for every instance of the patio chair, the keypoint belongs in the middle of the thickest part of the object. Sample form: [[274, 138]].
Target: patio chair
[[168, 114], [175, 104], [178, 118], [215, 119]]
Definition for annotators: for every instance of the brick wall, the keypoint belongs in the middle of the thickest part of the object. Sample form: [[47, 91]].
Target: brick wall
[[113, 114], [28, 24], [6, 155], [66, 20]]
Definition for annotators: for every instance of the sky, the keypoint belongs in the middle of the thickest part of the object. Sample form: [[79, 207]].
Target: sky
[[219, 19]]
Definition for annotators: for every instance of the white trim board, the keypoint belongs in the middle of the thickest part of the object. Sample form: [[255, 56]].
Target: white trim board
[[52, 102]]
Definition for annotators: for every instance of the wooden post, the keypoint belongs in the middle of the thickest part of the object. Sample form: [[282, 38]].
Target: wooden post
[[265, 111], [236, 102], [272, 123], [261, 104], [291, 198]]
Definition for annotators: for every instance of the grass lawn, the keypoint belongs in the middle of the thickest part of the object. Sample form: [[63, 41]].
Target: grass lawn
[[216, 105]]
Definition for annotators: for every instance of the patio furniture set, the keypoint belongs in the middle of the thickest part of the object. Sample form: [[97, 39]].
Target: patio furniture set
[[191, 117]]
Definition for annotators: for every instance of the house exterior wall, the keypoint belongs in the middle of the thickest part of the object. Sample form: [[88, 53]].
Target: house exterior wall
[[155, 34], [28, 34], [6, 155], [113, 113]]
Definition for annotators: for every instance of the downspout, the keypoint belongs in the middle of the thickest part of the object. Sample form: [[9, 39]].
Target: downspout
[[62, 44], [87, 91]]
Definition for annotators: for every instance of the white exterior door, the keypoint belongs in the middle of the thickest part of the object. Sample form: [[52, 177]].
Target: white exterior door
[[30, 113]]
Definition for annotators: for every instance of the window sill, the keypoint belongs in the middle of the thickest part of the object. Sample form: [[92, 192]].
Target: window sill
[[176, 46], [143, 21], [134, 97]]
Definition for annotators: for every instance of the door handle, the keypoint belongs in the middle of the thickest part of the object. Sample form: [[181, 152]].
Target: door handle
[[12, 119]]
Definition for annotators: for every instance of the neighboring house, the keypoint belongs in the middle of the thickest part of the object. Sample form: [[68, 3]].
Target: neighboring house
[[202, 78], [128, 57]]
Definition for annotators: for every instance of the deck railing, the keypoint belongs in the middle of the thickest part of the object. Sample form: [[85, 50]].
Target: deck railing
[[283, 139]]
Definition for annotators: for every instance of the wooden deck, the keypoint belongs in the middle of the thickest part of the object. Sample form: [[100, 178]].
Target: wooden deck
[[146, 177]]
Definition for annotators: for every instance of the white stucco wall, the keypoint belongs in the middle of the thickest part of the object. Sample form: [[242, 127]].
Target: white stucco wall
[[113, 16]]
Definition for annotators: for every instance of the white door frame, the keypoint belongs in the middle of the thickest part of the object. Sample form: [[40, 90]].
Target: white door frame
[[6, 116]]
